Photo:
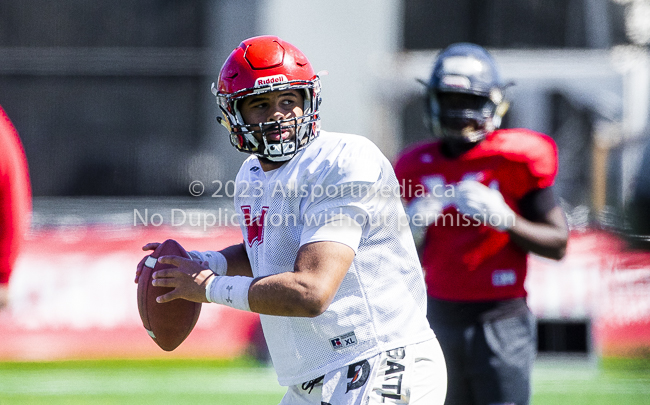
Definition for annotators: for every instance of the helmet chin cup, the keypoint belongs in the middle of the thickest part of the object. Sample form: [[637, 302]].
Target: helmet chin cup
[[279, 152], [465, 135]]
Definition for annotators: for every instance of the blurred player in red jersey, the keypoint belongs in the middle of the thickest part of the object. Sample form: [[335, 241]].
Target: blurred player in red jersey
[[479, 200], [15, 201]]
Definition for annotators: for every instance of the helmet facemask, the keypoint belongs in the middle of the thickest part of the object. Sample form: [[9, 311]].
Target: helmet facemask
[[463, 117], [242, 136]]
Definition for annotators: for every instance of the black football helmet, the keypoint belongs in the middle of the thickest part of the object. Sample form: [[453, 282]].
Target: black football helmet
[[466, 97]]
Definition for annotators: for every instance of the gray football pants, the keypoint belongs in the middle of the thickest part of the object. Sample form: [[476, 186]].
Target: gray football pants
[[489, 362]]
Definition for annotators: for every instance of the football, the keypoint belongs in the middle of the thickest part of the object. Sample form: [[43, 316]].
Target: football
[[170, 323]]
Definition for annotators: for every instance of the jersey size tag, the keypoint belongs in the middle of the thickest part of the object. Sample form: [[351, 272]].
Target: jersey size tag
[[343, 341], [502, 278]]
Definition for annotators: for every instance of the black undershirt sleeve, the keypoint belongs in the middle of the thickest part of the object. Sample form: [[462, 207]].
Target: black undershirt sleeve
[[537, 203]]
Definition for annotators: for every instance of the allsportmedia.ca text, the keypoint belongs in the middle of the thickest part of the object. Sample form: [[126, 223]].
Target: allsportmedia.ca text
[[255, 189]]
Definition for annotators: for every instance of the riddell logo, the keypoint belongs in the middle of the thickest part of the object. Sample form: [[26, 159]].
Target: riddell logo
[[265, 81]]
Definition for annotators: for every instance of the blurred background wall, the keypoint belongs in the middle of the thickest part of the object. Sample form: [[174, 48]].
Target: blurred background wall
[[115, 101]]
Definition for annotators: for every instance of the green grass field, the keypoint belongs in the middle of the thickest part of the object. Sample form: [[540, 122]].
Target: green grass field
[[611, 381], [243, 382]]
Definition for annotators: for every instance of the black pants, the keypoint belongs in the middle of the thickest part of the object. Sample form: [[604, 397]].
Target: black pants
[[489, 349]]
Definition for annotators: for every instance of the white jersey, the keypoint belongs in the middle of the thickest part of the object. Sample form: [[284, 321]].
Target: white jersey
[[381, 303]]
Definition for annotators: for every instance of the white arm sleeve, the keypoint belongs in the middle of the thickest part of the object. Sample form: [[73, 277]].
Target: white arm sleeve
[[216, 261], [342, 226]]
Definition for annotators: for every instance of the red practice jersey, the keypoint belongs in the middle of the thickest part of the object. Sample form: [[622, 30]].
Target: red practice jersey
[[15, 196], [466, 260]]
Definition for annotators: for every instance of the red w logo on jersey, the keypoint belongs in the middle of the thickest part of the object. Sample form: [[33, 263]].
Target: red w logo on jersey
[[254, 225]]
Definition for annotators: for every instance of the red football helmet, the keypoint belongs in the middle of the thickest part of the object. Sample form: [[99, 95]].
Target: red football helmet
[[264, 64]]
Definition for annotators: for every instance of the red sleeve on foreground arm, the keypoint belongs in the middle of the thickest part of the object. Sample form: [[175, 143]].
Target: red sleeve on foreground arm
[[15, 196]]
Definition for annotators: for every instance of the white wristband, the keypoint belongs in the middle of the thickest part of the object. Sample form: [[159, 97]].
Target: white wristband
[[216, 261], [229, 291]]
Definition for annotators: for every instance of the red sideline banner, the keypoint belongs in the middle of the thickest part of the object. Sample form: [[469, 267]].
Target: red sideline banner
[[602, 281], [73, 296]]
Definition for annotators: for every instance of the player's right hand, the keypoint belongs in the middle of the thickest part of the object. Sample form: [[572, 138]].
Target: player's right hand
[[149, 246], [485, 204], [425, 210]]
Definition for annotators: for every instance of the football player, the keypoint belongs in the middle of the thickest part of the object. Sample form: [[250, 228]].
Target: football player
[[15, 202], [488, 203], [327, 258]]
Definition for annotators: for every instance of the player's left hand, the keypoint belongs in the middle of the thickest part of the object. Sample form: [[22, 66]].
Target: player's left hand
[[189, 279], [138, 270], [153, 246], [480, 202]]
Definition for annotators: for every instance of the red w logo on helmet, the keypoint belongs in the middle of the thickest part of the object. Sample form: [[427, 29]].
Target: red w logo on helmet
[[254, 225]]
